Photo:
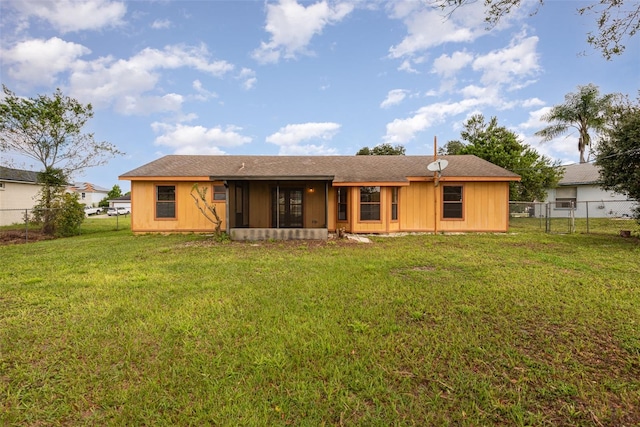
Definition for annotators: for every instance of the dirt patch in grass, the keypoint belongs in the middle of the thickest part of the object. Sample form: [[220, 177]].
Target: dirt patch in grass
[[13, 237], [275, 243]]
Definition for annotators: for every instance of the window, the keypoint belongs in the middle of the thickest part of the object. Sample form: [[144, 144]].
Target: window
[[219, 193], [566, 197], [82, 197], [166, 201], [1, 185], [342, 203], [452, 202], [369, 203], [394, 203]]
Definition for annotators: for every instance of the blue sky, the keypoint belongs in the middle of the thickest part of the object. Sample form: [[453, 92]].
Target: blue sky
[[286, 77]]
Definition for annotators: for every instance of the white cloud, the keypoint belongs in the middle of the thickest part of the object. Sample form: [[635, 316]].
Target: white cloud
[[185, 139], [248, 77], [106, 81], [292, 26], [401, 131], [533, 102], [161, 24], [407, 66], [125, 83], [294, 134], [176, 56], [447, 66], [75, 15], [427, 28], [509, 65], [143, 105], [203, 94], [394, 97], [40, 61]]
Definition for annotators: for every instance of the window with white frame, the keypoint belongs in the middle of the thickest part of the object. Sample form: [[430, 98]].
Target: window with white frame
[[566, 197]]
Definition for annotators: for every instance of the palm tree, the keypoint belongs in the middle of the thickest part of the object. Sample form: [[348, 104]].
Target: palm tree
[[585, 111]]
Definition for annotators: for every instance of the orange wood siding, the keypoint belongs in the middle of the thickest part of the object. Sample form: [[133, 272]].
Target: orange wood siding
[[188, 217], [358, 226], [485, 205], [485, 208], [416, 208]]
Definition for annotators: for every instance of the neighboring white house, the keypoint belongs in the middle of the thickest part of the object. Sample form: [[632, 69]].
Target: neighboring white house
[[18, 193], [580, 189], [88, 194], [121, 202]]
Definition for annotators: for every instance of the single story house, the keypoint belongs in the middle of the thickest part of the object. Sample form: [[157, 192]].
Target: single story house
[[306, 197], [88, 194], [18, 192], [579, 190], [121, 202]]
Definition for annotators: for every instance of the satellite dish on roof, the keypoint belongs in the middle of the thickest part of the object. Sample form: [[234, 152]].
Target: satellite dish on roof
[[438, 166]]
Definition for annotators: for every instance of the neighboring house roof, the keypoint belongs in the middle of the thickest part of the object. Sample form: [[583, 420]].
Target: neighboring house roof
[[87, 187], [581, 173], [18, 175], [126, 198], [335, 168]]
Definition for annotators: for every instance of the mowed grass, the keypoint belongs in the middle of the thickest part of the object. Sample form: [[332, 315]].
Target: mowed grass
[[479, 329]]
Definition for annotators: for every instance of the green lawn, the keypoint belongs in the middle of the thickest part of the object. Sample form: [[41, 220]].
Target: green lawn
[[495, 329]]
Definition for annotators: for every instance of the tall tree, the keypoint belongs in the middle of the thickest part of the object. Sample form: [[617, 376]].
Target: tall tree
[[49, 130], [501, 146], [382, 150], [451, 148], [584, 110], [619, 153], [617, 20]]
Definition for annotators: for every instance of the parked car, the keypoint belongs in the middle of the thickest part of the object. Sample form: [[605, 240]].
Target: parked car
[[118, 211], [89, 210]]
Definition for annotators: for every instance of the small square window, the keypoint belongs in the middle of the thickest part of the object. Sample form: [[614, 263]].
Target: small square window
[[219, 193]]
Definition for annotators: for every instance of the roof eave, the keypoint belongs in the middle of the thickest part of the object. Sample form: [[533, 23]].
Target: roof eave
[[273, 178]]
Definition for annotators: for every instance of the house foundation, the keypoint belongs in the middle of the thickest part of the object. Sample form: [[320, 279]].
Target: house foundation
[[253, 234]]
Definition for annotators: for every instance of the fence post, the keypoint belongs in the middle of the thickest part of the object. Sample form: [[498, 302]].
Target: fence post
[[547, 220], [26, 225], [572, 218], [587, 214]]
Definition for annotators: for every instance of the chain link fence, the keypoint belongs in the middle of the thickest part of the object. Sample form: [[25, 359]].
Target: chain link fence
[[568, 216], [25, 225]]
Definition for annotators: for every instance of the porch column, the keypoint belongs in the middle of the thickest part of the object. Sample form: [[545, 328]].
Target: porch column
[[277, 204], [226, 207], [326, 204]]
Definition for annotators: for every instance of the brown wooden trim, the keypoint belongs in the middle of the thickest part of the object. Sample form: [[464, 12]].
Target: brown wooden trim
[[463, 178], [166, 178], [155, 201], [371, 184]]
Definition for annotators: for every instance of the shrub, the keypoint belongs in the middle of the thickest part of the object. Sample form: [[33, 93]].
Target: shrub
[[68, 215]]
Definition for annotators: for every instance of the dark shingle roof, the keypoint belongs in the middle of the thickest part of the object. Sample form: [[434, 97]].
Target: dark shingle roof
[[336, 168], [18, 175], [581, 173]]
